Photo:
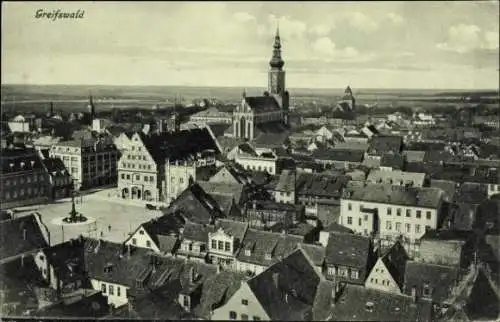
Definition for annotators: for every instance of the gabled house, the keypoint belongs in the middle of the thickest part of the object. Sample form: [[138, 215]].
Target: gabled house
[[387, 274], [284, 291], [194, 244], [159, 234], [231, 173], [22, 236], [348, 258], [224, 241]]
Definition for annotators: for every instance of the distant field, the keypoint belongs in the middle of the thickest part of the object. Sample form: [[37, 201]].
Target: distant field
[[75, 97]]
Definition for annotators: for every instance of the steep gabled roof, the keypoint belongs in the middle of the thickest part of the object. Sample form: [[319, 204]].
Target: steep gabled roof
[[13, 231], [262, 103]]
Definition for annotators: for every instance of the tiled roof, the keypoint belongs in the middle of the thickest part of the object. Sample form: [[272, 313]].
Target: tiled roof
[[315, 252], [414, 156], [166, 225], [339, 155], [262, 103], [120, 267], [12, 240], [67, 259], [395, 261], [440, 278], [17, 160], [229, 143], [225, 203], [483, 303], [286, 181], [234, 190], [393, 160], [233, 228], [383, 144], [270, 139], [217, 290], [196, 205], [167, 244], [179, 145], [261, 243], [320, 185], [357, 303], [323, 301], [380, 176], [396, 195], [197, 232], [349, 250], [287, 289]]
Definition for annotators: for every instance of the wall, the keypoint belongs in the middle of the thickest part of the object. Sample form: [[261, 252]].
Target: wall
[[142, 237], [244, 267], [440, 252], [383, 218], [115, 299], [380, 279], [235, 304], [255, 163]]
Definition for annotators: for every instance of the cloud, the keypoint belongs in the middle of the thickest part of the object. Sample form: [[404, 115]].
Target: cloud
[[491, 40], [321, 30], [324, 46], [289, 27], [464, 38], [362, 22], [395, 18], [243, 17]]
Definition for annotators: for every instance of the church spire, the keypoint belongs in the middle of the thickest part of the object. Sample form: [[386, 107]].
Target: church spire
[[276, 60]]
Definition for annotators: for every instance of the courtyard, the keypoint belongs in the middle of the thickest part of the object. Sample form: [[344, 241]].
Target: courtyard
[[114, 219]]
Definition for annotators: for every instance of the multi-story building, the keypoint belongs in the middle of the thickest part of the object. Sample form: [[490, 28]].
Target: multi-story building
[[23, 177], [91, 162], [265, 162], [225, 241], [401, 178], [390, 211], [158, 167], [212, 115]]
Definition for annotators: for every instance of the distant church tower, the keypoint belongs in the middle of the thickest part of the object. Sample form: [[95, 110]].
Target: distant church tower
[[276, 76], [91, 108]]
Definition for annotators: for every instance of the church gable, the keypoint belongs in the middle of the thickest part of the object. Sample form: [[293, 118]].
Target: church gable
[[381, 279]]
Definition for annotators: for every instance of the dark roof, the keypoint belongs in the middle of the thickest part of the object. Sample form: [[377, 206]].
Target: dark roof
[[196, 205], [67, 259], [357, 303], [233, 228], [262, 103], [384, 144], [320, 185], [270, 140], [323, 301], [166, 225], [339, 155], [286, 290], [395, 262], [483, 302], [12, 240], [349, 250], [393, 160], [55, 167], [17, 160], [90, 306], [197, 232], [439, 277], [180, 145], [261, 243]]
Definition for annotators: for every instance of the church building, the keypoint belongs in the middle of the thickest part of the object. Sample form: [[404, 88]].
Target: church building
[[259, 116]]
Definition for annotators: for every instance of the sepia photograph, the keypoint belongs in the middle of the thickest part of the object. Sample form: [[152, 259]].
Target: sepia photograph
[[250, 161]]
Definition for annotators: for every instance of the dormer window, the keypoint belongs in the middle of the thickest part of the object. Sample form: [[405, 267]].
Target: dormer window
[[248, 252], [268, 256]]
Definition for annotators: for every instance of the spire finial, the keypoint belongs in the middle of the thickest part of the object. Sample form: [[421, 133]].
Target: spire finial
[[244, 94], [278, 28]]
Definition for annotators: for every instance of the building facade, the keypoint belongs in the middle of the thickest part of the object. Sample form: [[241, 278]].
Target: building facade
[[91, 162]]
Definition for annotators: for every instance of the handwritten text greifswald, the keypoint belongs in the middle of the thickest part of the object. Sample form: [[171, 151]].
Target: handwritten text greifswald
[[59, 14]]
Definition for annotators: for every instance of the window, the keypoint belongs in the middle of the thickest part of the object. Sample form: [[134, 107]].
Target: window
[[123, 175], [111, 290], [244, 302], [181, 180], [103, 288], [146, 178], [419, 214], [388, 225], [141, 232], [408, 228], [221, 245], [360, 208], [349, 220], [256, 318], [428, 215], [232, 315], [408, 212], [398, 212], [360, 222], [227, 246], [244, 317], [148, 243], [354, 274], [149, 167], [134, 241], [349, 206], [128, 176], [118, 291], [366, 217], [214, 244], [398, 227], [417, 229], [331, 271], [144, 157], [137, 177], [151, 178]]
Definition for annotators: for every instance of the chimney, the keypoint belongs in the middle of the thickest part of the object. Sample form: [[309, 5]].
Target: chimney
[[25, 234], [276, 280]]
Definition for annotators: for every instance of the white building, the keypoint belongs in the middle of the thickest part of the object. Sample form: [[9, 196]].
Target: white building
[[390, 211], [397, 178]]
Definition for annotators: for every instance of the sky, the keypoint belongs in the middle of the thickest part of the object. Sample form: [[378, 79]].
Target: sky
[[422, 45]]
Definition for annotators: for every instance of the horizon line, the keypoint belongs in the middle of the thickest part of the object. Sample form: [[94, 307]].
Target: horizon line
[[258, 87]]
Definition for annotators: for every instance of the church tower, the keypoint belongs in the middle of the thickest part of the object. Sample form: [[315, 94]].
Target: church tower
[[276, 76], [91, 108]]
